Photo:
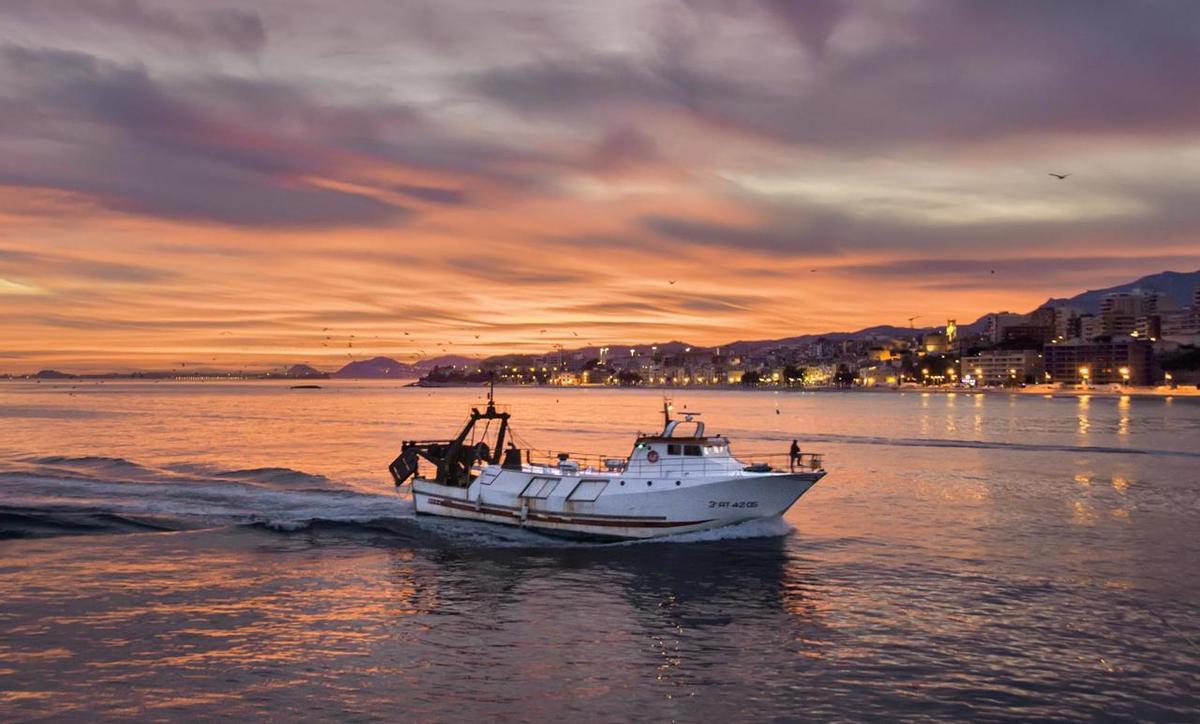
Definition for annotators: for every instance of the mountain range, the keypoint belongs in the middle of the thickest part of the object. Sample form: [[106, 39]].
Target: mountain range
[[1178, 286], [388, 368]]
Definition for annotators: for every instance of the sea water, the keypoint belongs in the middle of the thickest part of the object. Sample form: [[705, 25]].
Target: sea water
[[237, 549]]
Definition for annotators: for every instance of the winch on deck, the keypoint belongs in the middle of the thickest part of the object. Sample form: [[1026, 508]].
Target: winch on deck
[[455, 459]]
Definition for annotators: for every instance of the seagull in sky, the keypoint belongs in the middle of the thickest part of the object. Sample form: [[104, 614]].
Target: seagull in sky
[[671, 282], [1059, 176]]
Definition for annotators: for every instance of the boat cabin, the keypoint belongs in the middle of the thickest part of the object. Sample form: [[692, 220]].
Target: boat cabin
[[681, 444]]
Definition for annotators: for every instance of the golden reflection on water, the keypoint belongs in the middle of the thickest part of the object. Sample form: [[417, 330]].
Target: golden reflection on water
[[1082, 513], [1082, 415], [1123, 410]]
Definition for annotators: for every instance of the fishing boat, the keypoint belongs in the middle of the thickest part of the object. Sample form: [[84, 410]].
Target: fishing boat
[[678, 480]]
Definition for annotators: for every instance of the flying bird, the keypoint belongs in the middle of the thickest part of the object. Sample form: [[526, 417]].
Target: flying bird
[[812, 270], [1059, 176], [993, 271], [671, 282]]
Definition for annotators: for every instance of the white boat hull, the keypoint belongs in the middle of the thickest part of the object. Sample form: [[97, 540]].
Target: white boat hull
[[629, 507]]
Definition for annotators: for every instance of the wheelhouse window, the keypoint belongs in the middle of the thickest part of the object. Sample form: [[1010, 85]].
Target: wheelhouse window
[[692, 450], [673, 449]]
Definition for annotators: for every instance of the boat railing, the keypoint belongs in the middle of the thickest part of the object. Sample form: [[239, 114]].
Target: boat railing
[[584, 462], [773, 462], [555, 461]]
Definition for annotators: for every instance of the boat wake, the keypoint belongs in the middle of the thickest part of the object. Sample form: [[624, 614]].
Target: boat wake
[[59, 495], [90, 495]]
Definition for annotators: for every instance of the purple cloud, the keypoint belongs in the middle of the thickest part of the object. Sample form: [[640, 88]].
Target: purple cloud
[[202, 25]]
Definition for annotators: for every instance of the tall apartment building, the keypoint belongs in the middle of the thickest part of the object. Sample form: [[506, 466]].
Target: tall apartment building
[[1124, 359]]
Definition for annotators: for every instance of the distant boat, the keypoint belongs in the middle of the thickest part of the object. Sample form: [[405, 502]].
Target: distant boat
[[305, 387], [670, 483]]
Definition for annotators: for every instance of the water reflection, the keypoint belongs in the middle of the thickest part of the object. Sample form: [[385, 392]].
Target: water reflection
[[1123, 411], [694, 586], [1082, 415], [660, 619]]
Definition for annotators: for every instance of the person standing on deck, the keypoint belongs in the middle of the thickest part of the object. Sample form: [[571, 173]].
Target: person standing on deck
[[795, 454]]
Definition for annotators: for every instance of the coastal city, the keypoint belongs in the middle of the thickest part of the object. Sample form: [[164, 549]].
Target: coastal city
[[1137, 338]]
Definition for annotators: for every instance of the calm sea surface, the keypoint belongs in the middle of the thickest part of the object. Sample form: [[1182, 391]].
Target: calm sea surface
[[187, 550]]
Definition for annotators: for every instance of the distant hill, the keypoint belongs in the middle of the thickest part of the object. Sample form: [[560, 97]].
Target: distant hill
[[882, 331], [1178, 286], [53, 375], [388, 368], [305, 371]]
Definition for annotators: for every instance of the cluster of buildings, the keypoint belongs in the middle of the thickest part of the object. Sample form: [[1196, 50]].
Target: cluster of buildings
[[1121, 343], [676, 365]]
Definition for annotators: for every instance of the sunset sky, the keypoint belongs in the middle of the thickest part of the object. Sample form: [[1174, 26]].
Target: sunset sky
[[229, 186]]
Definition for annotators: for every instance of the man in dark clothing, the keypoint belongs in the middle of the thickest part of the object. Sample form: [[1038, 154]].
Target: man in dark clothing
[[795, 452]]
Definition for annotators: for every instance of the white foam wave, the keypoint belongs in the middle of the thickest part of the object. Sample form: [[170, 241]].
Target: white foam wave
[[213, 502]]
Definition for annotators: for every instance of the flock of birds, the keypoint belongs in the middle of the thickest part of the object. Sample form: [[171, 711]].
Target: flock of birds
[[422, 354]]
